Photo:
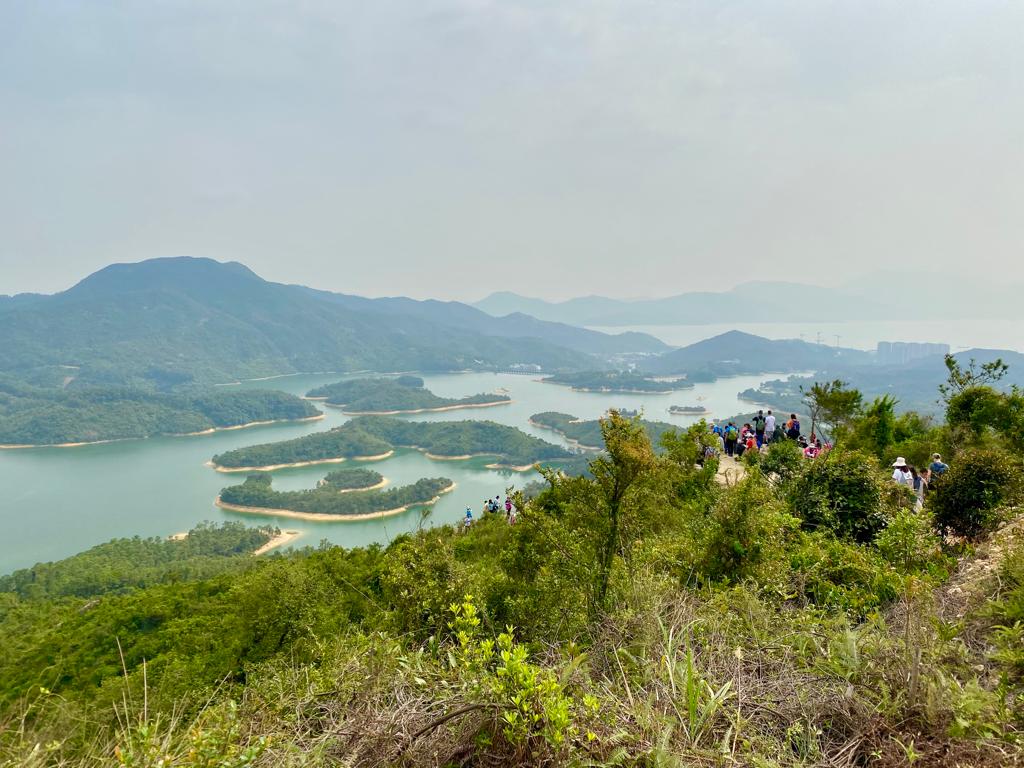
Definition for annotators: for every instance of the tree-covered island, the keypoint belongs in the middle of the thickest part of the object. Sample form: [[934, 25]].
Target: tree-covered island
[[354, 479], [257, 495], [404, 394], [617, 381], [376, 436], [587, 434]]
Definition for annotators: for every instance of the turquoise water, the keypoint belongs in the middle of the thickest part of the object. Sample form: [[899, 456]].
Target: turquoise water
[[58, 501]]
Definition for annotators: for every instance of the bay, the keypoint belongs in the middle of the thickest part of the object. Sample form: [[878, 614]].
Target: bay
[[55, 502]]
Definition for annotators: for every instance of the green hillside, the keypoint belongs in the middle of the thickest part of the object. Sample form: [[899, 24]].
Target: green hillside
[[37, 416], [403, 394], [808, 614], [375, 435]]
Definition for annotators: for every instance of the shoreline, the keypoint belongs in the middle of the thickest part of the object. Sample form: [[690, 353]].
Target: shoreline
[[616, 391], [282, 538], [315, 516], [439, 409], [210, 431], [314, 462], [374, 487], [702, 412], [571, 440]]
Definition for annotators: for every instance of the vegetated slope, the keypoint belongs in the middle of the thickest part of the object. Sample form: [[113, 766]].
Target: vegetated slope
[[617, 381], [37, 416], [197, 318], [402, 394], [736, 352], [257, 492], [375, 435], [122, 565], [588, 433], [356, 478]]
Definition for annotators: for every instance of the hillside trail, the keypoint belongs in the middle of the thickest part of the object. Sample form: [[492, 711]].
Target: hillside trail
[[972, 582], [730, 471]]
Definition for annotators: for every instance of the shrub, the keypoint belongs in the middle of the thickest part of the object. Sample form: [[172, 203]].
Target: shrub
[[783, 460], [909, 543], [966, 496], [842, 493]]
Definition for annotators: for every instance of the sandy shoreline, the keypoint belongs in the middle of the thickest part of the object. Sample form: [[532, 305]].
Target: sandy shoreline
[[210, 431], [419, 410], [314, 462], [615, 390], [570, 440], [282, 538], [374, 487], [313, 516]]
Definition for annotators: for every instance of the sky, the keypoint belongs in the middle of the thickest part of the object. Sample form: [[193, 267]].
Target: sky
[[451, 148]]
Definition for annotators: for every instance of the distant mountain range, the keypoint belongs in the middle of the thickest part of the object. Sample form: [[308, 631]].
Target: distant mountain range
[[180, 319], [735, 353], [875, 297]]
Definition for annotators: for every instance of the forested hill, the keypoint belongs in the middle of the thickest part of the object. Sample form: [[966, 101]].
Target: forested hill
[[35, 416], [735, 352], [204, 320], [404, 394]]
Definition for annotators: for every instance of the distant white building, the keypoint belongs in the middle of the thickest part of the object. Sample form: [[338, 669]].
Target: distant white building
[[900, 352]]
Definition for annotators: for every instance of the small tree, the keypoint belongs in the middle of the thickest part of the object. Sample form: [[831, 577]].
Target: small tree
[[832, 403], [961, 379]]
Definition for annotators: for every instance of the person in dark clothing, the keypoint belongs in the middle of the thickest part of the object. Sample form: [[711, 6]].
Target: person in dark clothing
[[759, 425]]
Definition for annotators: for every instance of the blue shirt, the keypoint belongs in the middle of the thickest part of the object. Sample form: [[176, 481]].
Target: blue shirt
[[938, 467]]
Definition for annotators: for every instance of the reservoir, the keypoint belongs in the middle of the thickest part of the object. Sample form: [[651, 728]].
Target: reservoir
[[55, 502]]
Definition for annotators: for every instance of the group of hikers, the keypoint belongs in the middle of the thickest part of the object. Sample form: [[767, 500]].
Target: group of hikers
[[762, 430], [493, 507], [918, 480]]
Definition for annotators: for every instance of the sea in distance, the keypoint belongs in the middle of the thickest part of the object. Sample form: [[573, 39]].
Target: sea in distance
[[59, 501]]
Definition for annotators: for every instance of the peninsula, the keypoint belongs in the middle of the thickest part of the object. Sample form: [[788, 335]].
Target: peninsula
[[326, 502], [32, 417], [587, 434], [367, 437], [617, 381], [389, 396]]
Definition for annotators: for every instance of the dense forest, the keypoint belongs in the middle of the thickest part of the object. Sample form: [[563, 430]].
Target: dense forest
[[375, 435], [617, 381], [811, 613], [403, 394], [257, 491], [588, 433], [37, 416], [357, 478]]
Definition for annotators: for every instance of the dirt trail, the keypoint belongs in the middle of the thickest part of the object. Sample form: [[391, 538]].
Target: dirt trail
[[971, 582]]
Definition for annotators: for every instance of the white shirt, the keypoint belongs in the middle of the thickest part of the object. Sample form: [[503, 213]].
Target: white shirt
[[903, 478], [769, 423]]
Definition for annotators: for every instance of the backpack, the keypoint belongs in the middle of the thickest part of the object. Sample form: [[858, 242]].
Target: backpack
[[759, 422], [731, 433]]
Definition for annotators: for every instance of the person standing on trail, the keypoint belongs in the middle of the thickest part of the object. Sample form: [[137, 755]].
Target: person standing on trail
[[769, 427], [508, 508], [731, 436], [760, 425], [938, 466], [468, 521], [793, 428], [901, 473]]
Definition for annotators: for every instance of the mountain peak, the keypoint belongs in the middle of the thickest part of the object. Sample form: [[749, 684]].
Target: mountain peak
[[187, 273]]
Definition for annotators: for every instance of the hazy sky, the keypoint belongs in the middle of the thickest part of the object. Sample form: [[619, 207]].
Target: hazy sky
[[450, 148]]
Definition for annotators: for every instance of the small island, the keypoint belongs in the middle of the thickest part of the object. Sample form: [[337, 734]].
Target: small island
[[356, 479], [405, 394], [688, 410], [34, 417], [587, 434], [326, 502], [375, 437], [618, 381]]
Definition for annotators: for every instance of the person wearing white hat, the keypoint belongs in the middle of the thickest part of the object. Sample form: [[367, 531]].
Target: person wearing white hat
[[901, 473]]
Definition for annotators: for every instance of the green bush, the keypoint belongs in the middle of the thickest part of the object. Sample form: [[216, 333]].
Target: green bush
[[966, 496], [783, 460], [841, 492]]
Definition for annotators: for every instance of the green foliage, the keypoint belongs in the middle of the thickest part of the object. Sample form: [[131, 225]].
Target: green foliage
[[589, 433], [831, 403], [51, 417], [124, 564], [405, 393], [257, 491], [617, 381], [782, 461], [357, 478], [841, 493], [747, 527], [966, 496], [375, 435], [909, 543]]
